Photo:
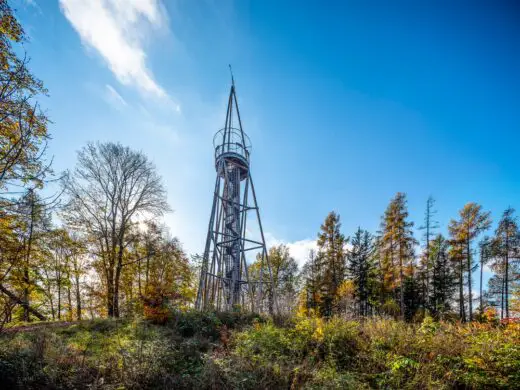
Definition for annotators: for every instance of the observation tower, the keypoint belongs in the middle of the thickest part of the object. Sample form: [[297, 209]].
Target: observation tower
[[225, 283]]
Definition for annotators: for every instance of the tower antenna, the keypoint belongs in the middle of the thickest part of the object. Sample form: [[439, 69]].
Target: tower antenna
[[232, 78]]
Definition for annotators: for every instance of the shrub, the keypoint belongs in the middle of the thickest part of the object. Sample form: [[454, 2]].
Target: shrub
[[240, 351]]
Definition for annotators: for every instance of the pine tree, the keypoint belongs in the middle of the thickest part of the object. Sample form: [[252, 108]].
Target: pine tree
[[360, 266], [443, 282], [312, 273], [331, 246]]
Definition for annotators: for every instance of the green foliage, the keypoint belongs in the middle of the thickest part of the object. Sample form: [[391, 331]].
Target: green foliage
[[192, 351]]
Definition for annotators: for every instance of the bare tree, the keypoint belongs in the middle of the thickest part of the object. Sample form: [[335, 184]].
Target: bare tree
[[430, 224], [111, 187]]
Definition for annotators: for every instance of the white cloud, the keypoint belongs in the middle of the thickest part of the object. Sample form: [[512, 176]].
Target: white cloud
[[299, 250], [114, 98], [116, 29]]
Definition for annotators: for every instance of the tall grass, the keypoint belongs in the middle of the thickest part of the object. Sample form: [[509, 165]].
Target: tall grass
[[225, 351]]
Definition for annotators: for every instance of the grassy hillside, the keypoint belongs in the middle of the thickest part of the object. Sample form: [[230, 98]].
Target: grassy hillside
[[222, 351]]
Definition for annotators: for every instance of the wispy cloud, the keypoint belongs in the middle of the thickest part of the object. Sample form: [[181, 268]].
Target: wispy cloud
[[116, 29], [114, 98]]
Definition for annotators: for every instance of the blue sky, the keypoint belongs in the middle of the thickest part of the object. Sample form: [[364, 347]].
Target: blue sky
[[345, 104]]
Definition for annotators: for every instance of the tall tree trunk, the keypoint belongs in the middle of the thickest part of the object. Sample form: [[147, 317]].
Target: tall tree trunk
[[26, 279], [427, 292], [502, 300], [69, 299], [461, 292], [481, 276], [59, 298], [116, 291], [78, 298], [470, 299], [401, 280], [110, 293], [506, 274], [51, 301]]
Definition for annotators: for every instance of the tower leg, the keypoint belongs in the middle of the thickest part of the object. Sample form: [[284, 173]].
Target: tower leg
[[203, 282]]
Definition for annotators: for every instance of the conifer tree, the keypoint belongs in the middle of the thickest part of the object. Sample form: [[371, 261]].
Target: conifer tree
[[313, 278], [507, 248], [472, 221], [360, 266], [457, 257], [397, 247], [331, 246], [443, 282], [430, 224]]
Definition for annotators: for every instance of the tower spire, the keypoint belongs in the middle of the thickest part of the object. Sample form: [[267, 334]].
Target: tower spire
[[224, 281], [232, 78]]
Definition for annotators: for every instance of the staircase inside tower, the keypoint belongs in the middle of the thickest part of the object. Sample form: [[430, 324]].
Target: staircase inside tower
[[231, 238]]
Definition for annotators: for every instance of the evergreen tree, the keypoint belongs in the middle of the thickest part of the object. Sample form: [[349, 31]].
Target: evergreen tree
[[331, 246], [457, 257], [360, 266], [507, 248], [444, 282], [312, 273]]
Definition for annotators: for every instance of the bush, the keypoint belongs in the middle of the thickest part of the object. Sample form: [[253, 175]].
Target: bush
[[240, 351]]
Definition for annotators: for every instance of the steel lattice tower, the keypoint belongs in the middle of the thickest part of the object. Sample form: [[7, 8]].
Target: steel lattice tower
[[224, 281]]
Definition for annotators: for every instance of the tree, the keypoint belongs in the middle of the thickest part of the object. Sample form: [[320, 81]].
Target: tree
[[23, 126], [397, 247], [169, 277], [430, 224], [35, 221], [443, 281], [111, 187], [312, 273], [59, 244], [486, 252], [472, 221], [79, 262], [507, 247], [331, 247], [360, 268], [457, 257], [23, 168], [284, 271]]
